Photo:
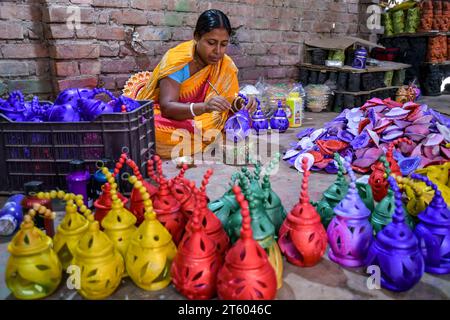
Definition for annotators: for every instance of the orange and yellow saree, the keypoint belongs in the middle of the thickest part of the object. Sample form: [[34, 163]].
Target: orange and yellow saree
[[192, 135]]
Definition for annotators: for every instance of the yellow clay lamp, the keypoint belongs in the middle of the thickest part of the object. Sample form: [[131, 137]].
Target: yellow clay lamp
[[71, 228], [119, 223], [33, 270], [151, 250], [100, 263]]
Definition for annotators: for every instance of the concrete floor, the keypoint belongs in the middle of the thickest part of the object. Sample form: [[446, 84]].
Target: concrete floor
[[326, 280]]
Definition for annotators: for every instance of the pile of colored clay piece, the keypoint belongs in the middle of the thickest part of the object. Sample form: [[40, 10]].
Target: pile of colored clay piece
[[364, 133], [71, 105]]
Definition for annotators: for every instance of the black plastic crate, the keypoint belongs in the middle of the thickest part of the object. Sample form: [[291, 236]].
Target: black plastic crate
[[42, 151]]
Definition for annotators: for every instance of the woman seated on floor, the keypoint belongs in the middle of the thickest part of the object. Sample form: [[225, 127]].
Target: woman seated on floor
[[194, 85]]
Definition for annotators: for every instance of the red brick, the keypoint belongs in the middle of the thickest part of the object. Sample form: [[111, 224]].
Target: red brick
[[258, 23], [10, 30], [129, 16], [75, 51], [42, 67], [353, 8], [104, 16], [121, 80], [182, 5], [109, 50], [234, 50], [20, 12], [59, 31], [182, 34], [311, 15], [126, 51], [276, 73], [125, 65], [279, 49], [270, 36], [82, 1], [110, 33], [245, 35], [148, 4], [257, 49], [89, 67], [245, 61], [107, 82], [289, 60], [292, 73], [252, 73], [14, 68], [337, 7], [268, 61], [30, 85], [152, 33], [66, 68], [111, 3], [155, 18], [292, 36], [87, 32], [160, 47], [35, 31], [63, 13], [77, 82], [24, 51]]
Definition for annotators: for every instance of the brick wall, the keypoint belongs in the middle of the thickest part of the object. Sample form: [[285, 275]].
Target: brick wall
[[40, 52]]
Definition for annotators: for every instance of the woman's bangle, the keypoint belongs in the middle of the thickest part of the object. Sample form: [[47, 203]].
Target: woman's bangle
[[191, 107]]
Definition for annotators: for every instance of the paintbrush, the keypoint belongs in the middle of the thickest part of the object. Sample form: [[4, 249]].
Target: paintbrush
[[217, 92]]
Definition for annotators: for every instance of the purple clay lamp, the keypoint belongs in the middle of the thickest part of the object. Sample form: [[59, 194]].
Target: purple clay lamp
[[237, 127], [279, 120], [350, 232], [259, 120], [396, 250], [433, 231]]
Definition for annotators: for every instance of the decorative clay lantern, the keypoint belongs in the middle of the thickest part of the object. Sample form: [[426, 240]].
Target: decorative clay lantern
[[333, 195], [247, 273], [262, 227], [194, 269], [119, 223], [151, 250], [302, 238], [166, 206], [350, 232], [433, 230], [396, 251], [101, 264], [33, 270]]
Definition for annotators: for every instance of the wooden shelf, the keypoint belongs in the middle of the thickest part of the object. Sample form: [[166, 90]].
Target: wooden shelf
[[359, 93], [418, 34], [445, 63], [385, 66]]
